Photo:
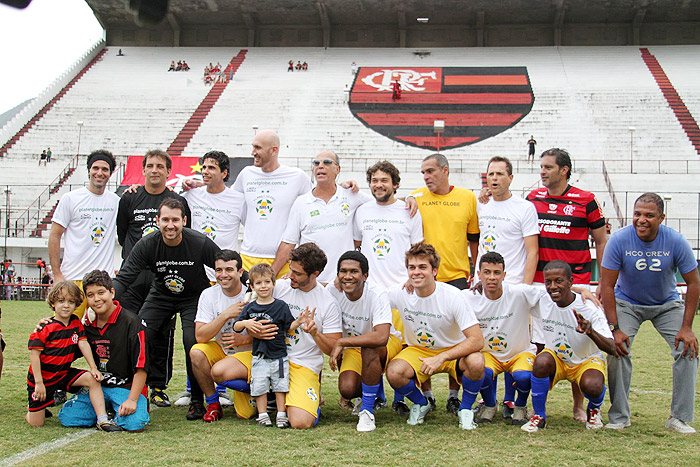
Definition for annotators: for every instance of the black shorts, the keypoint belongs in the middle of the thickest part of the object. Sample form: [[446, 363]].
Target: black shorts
[[2, 345], [64, 384]]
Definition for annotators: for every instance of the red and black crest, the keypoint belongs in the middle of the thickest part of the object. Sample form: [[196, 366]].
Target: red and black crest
[[474, 102]]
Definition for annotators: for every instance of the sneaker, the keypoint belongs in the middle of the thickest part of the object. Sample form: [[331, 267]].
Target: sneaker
[[680, 426], [400, 408], [357, 406], [214, 412], [345, 404], [466, 419], [431, 402], [282, 421], [519, 416], [594, 420], [159, 398], [196, 410], [452, 405], [618, 426], [225, 400], [59, 397], [109, 427], [534, 424], [417, 414], [366, 422], [183, 400], [264, 421], [486, 414], [508, 408], [380, 404]]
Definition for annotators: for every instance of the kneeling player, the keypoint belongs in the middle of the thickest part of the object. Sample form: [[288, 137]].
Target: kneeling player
[[369, 338], [575, 333], [441, 332]]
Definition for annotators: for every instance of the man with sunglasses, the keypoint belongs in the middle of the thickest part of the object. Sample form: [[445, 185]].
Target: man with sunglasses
[[323, 216]]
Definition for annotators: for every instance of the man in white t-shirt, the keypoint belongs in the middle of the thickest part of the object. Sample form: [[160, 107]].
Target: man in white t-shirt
[[87, 218], [384, 229], [503, 311], [576, 334], [269, 189], [323, 216], [305, 345], [369, 339], [442, 334], [218, 308], [216, 209]]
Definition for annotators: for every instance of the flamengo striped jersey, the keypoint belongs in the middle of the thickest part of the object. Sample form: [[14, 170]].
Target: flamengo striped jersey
[[564, 222], [59, 348]]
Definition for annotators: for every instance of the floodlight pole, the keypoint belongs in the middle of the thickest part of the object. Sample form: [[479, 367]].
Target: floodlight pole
[[631, 149], [7, 217], [80, 132]]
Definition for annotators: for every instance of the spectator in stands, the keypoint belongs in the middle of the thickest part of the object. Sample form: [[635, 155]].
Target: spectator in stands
[[298, 65], [305, 66], [120, 53], [291, 66], [45, 284], [48, 155], [42, 158], [179, 66], [172, 66], [346, 94], [185, 66], [396, 90], [218, 66], [354, 68], [531, 149]]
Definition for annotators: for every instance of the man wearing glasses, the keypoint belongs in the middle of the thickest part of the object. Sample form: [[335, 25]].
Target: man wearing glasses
[[323, 216]]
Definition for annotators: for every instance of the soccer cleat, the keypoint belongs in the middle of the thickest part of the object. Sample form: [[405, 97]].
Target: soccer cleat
[[519, 415], [486, 414], [400, 408], [594, 420], [417, 414], [183, 400], [196, 410], [431, 402], [466, 419], [508, 407], [282, 421], [452, 405], [109, 427], [59, 397], [225, 400], [345, 404], [380, 404], [47, 413], [214, 412], [680, 426], [159, 398], [618, 426], [366, 422], [534, 424], [264, 421]]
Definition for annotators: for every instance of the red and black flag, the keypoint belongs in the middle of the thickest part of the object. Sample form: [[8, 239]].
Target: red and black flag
[[474, 102]]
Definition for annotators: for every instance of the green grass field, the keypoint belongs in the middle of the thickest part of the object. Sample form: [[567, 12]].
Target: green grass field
[[171, 440]]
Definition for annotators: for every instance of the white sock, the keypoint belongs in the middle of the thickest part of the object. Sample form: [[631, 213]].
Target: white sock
[[454, 393], [263, 416], [102, 418], [281, 414]]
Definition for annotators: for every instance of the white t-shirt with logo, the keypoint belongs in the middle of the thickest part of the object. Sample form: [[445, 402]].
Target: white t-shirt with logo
[[504, 322], [504, 226], [361, 316], [213, 302], [559, 329], [216, 215], [387, 232], [328, 225], [268, 200], [90, 221], [301, 347], [434, 322]]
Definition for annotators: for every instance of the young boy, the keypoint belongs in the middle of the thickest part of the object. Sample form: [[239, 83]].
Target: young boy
[[118, 343], [52, 350], [270, 365]]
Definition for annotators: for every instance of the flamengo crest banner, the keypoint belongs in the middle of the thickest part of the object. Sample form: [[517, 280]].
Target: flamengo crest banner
[[474, 102]]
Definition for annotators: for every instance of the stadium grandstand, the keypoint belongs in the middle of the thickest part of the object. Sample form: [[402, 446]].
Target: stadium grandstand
[[615, 83]]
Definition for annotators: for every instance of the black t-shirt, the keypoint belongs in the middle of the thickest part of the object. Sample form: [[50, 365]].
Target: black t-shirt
[[278, 313], [137, 213], [179, 270], [119, 348]]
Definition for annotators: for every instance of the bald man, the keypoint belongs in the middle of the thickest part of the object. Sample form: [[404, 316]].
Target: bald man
[[323, 216], [269, 189]]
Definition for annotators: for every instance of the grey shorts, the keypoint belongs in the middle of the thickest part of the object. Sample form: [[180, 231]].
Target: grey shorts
[[265, 375]]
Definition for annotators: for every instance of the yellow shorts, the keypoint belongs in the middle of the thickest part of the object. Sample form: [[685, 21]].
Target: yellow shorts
[[521, 362], [212, 350], [412, 355], [352, 357], [574, 373], [304, 389], [398, 323], [250, 261], [244, 403]]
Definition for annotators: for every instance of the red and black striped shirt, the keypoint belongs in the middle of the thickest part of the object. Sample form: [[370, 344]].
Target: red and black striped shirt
[[564, 223], [59, 348]]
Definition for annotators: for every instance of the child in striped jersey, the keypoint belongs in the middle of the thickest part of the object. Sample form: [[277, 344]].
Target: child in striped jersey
[[53, 347]]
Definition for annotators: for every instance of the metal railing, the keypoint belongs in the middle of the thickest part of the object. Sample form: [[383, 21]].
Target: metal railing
[[613, 196]]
